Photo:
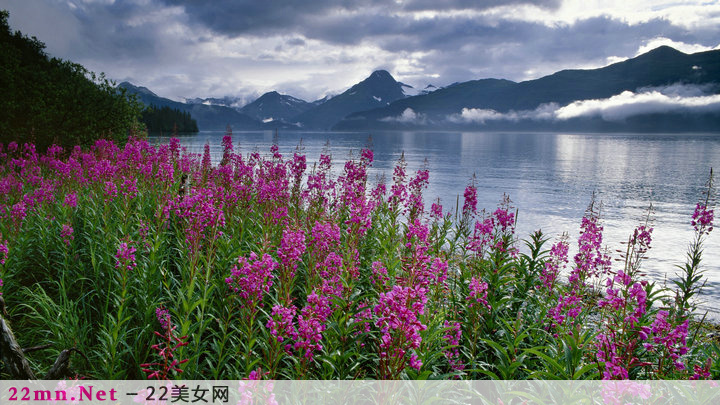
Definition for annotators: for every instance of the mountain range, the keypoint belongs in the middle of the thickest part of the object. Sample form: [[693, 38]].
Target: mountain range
[[273, 106], [664, 89], [208, 117]]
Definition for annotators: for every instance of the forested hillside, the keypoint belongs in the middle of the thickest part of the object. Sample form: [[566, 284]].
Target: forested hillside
[[47, 100]]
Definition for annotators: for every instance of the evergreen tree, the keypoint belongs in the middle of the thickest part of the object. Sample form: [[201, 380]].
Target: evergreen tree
[[52, 101], [166, 120]]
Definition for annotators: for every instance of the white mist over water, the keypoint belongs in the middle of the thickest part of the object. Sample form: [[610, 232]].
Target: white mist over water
[[550, 178]]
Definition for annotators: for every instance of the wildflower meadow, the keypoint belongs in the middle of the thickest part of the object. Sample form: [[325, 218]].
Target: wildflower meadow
[[150, 262]]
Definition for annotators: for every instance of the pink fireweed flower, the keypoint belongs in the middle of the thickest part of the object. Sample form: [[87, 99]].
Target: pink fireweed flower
[[254, 375], [398, 191], [165, 173], [589, 261], [414, 203], [67, 234], [110, 191], [638, 245], [555, 265], [367, 156], [419, 268], [702, 219], [642, 237], [291, 249], [3, 250], [163, 316], [325, 237], [436, 210], [609, 354], [188, 162], [330, 271], [360, 216], [319, 183], [415, 361], [377, 195], [275, 151], [143, 230], [129, 187], [419, 182], [505, 219], [70, 200], [166, 349], [297, 167], [203, 211], [10, 185], [702, 372], [174, 148], [418, 233], [470, 204], [281, 323], [452, 337], [125, 256], [272, 183], [251, 278], [325, 161], [352, 182], [478, 293], [206, 162], [379, 276], [568, 307], [483, 236], [398, 314], [278, 214], [668, 338], [311, 325], [438, 271], [18, 212], [227, 144], [624, 304], [629, 297]]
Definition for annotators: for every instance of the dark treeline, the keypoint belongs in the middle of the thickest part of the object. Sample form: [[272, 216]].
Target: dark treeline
[[166, 119], [48, 101]]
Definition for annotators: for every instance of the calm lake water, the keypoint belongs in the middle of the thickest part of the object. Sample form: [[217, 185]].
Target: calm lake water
[[550, 177]]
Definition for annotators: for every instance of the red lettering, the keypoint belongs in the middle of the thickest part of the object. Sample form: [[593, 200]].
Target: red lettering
[[85, 392], [41, 395]]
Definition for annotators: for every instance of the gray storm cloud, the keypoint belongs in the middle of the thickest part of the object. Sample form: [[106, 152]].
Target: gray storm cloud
[[194, 48], [676, 98]]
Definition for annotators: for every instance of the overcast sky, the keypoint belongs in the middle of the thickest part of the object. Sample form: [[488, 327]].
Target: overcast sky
[[310, 48]]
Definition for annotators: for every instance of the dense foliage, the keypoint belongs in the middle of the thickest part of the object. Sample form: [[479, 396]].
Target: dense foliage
[[52, 101], [152, 262], [168, 120]]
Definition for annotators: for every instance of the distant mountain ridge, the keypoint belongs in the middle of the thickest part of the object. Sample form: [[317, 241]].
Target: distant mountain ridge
[[273, 106], [208, 117], [663, 66], [378, 90], [233, 102], [381, 102]]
